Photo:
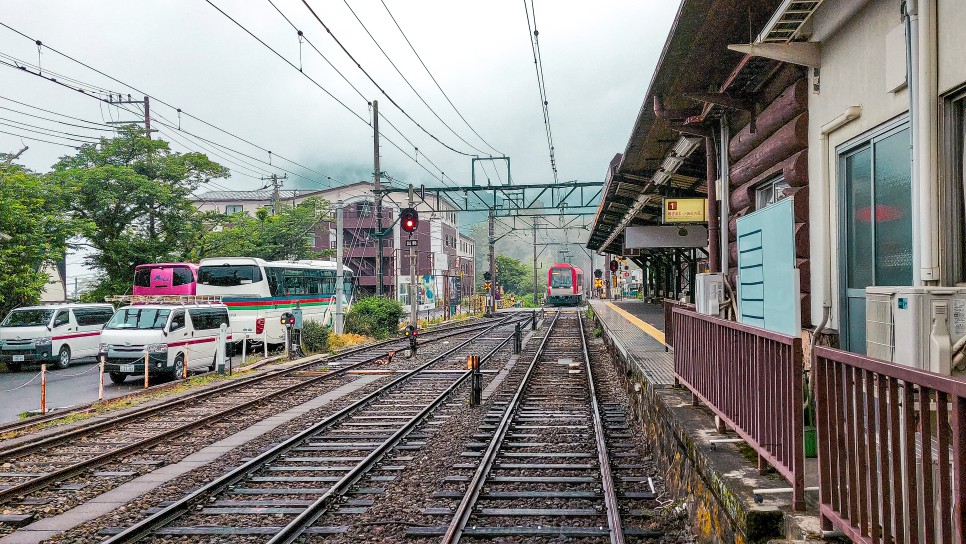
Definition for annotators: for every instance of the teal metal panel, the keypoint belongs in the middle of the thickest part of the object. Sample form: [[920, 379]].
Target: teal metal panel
[[768, 283]]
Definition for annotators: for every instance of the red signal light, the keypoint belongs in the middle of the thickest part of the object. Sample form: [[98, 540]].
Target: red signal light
[[409, 219]]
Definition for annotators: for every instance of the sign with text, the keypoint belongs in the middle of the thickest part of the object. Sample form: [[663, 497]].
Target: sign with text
[[685, 210]]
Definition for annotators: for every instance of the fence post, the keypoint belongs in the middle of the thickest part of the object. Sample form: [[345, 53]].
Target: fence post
[[43, 389], [147, 366], [100, 390]]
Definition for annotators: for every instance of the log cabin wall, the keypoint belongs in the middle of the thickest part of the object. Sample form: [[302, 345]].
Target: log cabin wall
[[775, 144]]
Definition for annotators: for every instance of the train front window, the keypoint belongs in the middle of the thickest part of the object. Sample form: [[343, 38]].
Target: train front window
[[560, 278]]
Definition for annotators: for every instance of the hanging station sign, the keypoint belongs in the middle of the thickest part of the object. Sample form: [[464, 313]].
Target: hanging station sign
[[685, 210]]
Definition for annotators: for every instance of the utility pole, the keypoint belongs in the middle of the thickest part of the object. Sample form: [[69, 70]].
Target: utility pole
[[146, 103], [376, 178], [339, 283], [276, 191], [535, 288], [412, 273], [491, 309]]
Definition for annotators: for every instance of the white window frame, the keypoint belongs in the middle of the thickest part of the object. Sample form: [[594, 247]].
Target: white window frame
[[766, 192]]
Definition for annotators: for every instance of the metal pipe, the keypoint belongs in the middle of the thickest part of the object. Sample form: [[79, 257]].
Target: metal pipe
[[724, 166]]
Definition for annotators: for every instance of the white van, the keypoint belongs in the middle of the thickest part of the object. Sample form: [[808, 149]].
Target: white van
[[55, 333], [174, 336]]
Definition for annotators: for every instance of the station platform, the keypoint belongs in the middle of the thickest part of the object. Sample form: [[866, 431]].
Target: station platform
[[730, 493], [637, 328]]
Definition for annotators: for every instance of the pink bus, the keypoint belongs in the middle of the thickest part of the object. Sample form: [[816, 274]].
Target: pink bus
[[165, 279]]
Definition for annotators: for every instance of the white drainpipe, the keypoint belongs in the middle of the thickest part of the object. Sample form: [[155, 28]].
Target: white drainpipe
[[925, 119]]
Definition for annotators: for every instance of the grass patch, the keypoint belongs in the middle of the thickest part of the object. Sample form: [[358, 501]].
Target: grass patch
[[341, 341]]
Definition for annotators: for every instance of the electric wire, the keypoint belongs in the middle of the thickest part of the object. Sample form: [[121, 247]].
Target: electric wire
[[47, 129], [398, 71], [38, 139], [186, 114], [541, 83], [434, 79], [383, 91], [44, 133]]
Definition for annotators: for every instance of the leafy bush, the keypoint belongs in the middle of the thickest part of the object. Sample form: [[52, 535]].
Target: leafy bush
[[374, 316], [527, 301], [315, 337]]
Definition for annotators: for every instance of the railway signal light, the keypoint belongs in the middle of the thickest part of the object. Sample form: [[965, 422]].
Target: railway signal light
[[487, 285], [598, 273], [614, 266], [487, 276], [288, 320], [408, 219]]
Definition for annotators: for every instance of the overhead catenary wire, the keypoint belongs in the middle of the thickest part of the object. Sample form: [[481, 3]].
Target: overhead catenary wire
[[182, 112], [441, 176], [381, 90], [404, 78], [541, 82], [498, 152]]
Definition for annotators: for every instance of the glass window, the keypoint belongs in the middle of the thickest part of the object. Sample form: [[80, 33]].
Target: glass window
[[229, 275], [858, 224], [276, 280], [27, 318], [893, 210], [561, 278], [208, 318], [139, 318], [234, 208], [62, 318], [328, 281], [182, 275], [92, 316], [142, 277], [177, 321], [770, 192]]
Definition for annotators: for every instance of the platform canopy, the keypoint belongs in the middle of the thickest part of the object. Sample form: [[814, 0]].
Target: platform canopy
[[665, 154]]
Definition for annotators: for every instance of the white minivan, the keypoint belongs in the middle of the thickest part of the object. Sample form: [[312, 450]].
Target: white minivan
[[175, 337], [55, 333]]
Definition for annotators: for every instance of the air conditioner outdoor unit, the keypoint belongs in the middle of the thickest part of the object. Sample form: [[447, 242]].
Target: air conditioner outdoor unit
[[916, 326], [708, 293]]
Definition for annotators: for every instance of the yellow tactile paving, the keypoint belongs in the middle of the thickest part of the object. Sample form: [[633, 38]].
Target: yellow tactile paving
[[640, 323]]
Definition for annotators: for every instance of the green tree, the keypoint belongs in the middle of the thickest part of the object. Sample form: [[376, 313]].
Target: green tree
[[513, 275], [287, 235], [33, 232], [130, 196]]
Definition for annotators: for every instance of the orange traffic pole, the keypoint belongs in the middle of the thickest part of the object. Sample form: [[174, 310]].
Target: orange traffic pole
[[43, 389], [100, 390], [147, 361]]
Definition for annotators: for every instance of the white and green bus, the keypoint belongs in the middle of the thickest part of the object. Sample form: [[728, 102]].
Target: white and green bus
[[258, 292]]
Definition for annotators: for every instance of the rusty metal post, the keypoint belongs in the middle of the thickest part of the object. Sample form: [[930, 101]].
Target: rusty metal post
[[100, 390], [147, 366], [476, 386], [43, 389]]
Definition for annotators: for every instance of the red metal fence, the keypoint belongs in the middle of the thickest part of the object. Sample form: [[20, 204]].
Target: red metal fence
[[669, 306], [892, 450], [753, 380]]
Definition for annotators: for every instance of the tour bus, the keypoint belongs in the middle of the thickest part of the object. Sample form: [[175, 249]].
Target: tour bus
[[257, 292], [178, 334], [165, 279], [55, 333]]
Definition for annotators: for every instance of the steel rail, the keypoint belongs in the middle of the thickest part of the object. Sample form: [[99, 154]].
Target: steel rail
[[235, 384], [66, 472], [462, 514], [603, 460], [313, 512], [173, 511]]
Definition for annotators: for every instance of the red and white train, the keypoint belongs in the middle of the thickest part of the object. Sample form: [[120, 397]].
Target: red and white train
[[565, 285]]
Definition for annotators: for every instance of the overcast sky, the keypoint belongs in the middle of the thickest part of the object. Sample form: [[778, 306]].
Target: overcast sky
[[597, 60]]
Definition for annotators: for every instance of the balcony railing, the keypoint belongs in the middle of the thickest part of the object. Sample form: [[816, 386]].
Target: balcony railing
[[753, 380], [891, 450]]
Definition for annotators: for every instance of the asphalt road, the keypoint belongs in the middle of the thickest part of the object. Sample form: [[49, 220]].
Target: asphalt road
[[75, 385]]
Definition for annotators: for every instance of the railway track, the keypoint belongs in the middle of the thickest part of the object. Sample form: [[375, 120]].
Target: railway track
[[280, 494], [35, 421], [552, 462], [40, 464]]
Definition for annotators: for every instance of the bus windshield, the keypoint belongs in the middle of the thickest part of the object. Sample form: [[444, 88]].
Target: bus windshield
[[28, 318], [561, 277], [229, 275], [139, 318]]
